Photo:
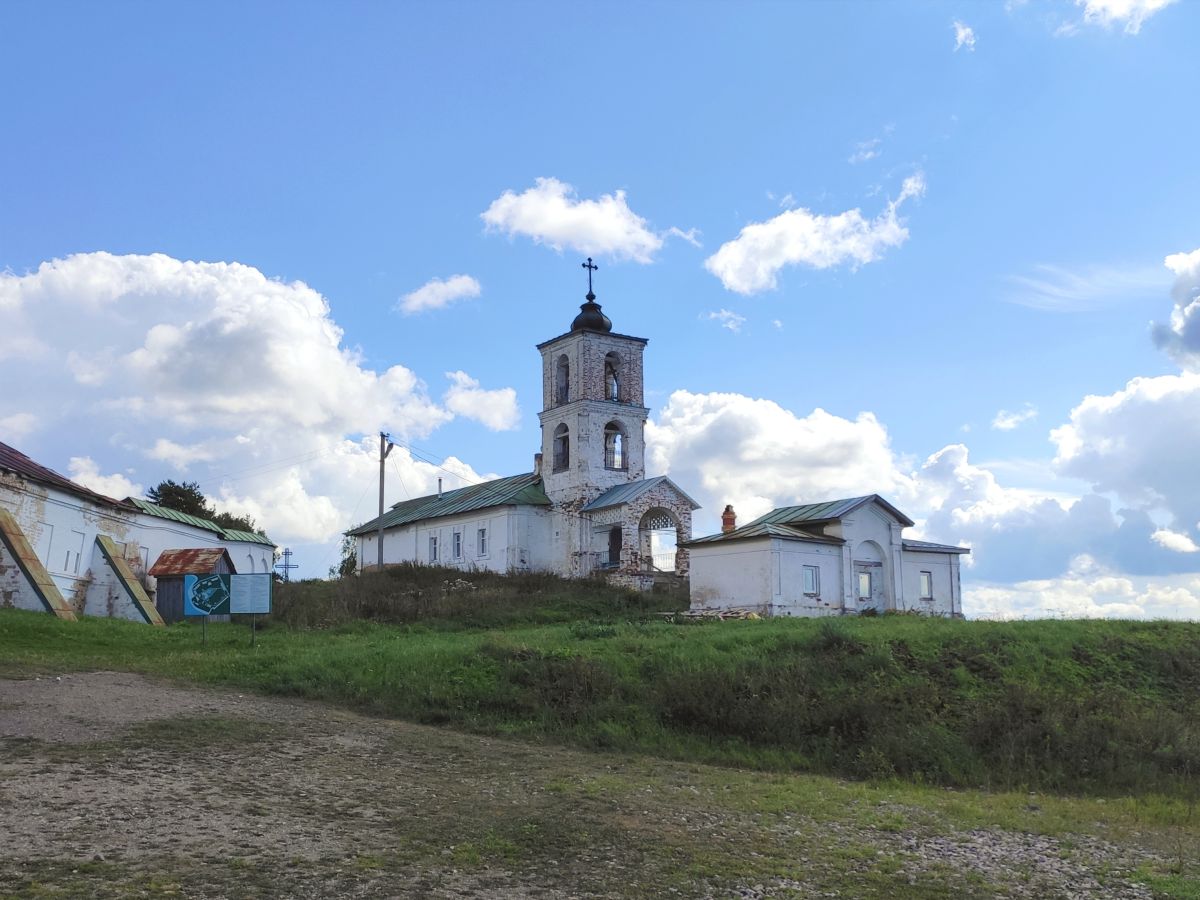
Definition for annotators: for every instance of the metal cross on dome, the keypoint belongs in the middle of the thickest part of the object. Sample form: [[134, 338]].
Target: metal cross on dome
[[591, 267]]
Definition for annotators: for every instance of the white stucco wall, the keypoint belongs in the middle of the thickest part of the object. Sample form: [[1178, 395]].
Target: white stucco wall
[[518, 539], [733, 575], [789, 597], [944, 567], [62, 529]]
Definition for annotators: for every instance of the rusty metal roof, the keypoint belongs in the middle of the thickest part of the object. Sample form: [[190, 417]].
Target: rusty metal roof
[[190, 562], [13, 460], [516, 490]]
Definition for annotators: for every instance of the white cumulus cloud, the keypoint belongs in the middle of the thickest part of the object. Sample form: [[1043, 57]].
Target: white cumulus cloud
[[551, 214], [214, 372], [436, 293], [1139, 442], [1181, 338], [751, 262], [1128, 14], [964, 36], [16, 426], [1007, 421], [496, 409], [86, 471], [1174, 540]]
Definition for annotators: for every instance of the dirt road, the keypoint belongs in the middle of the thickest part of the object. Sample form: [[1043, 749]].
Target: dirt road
[[116, 785]]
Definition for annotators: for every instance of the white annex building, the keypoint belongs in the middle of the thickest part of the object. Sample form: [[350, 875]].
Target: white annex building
[[825, 559], [586, 506]]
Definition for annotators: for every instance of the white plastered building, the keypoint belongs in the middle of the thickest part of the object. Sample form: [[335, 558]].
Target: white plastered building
[[842, 557]]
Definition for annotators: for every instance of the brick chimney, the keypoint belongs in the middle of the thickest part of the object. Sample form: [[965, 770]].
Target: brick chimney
[[537, 464], [728, 519]]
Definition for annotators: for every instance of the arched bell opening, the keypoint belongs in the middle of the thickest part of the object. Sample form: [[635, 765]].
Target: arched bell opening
[[562, 380], [562, 448], [659, 536], [612, 377], [614, 447]]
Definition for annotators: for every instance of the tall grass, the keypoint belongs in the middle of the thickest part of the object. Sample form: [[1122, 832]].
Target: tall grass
[[452, 598], [1096, 707]]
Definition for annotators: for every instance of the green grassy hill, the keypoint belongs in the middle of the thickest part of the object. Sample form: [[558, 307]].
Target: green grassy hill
[[1098, 707]]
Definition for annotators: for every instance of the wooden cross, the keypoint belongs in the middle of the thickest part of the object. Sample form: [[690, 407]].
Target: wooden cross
[[591, 268]]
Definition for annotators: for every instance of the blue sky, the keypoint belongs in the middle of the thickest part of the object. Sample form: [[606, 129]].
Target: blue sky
[[928, 220]]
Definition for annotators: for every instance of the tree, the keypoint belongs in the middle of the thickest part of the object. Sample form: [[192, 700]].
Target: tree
[[188, 498], [184, 498]]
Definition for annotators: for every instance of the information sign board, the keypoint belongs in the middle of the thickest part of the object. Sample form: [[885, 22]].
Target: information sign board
[[218, 595]]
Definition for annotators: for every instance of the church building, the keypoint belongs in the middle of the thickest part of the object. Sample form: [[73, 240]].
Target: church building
[[587, 506]]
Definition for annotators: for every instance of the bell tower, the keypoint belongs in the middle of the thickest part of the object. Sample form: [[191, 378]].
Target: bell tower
[[593, 418]]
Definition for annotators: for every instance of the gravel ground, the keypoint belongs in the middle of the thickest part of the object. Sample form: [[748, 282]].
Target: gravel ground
[[112, 784]]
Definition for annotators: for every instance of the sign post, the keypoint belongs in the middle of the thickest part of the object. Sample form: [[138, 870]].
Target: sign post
[[219, 595]]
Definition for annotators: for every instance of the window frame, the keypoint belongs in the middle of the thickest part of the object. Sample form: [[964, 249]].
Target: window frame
[[481, 542], [456, 544], [923, 577], [433, 548], [870, 586], [816, 581]]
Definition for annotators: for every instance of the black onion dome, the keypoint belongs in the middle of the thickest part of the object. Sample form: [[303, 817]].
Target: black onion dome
[[590, 317]]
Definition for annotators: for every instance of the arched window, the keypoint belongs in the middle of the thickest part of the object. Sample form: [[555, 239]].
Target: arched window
[[562, 448], [612, 377], [614, 446], [562, 380]]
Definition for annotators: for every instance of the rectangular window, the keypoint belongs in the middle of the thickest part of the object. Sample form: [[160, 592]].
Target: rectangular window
[[926, 585], [864, 585], [812, 581], [481, 542], [433, 548], [457, 545]]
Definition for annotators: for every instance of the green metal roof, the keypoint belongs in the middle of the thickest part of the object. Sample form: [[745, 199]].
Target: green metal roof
[[929, 547], [808, 513], [827, 511], [516, 490], [248, 537], [229, 534], [625, 493], [766, 529], [175, 515]]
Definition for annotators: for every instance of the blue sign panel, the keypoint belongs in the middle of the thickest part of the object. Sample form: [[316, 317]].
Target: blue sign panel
[[205, 595]]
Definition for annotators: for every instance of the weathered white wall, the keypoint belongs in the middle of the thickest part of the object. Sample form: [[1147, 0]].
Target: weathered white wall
[[733, 575], [518, 539], [62, 528], [871, 524], [790, 559], [944, 567]]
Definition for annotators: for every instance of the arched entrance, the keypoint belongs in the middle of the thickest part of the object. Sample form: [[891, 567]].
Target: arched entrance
[[870, 584], [658, 539]]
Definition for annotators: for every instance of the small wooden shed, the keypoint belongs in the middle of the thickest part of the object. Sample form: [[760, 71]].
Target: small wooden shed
[[172, 565]]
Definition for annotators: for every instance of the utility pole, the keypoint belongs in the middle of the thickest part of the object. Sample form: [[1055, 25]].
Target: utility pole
[[385, 447]]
